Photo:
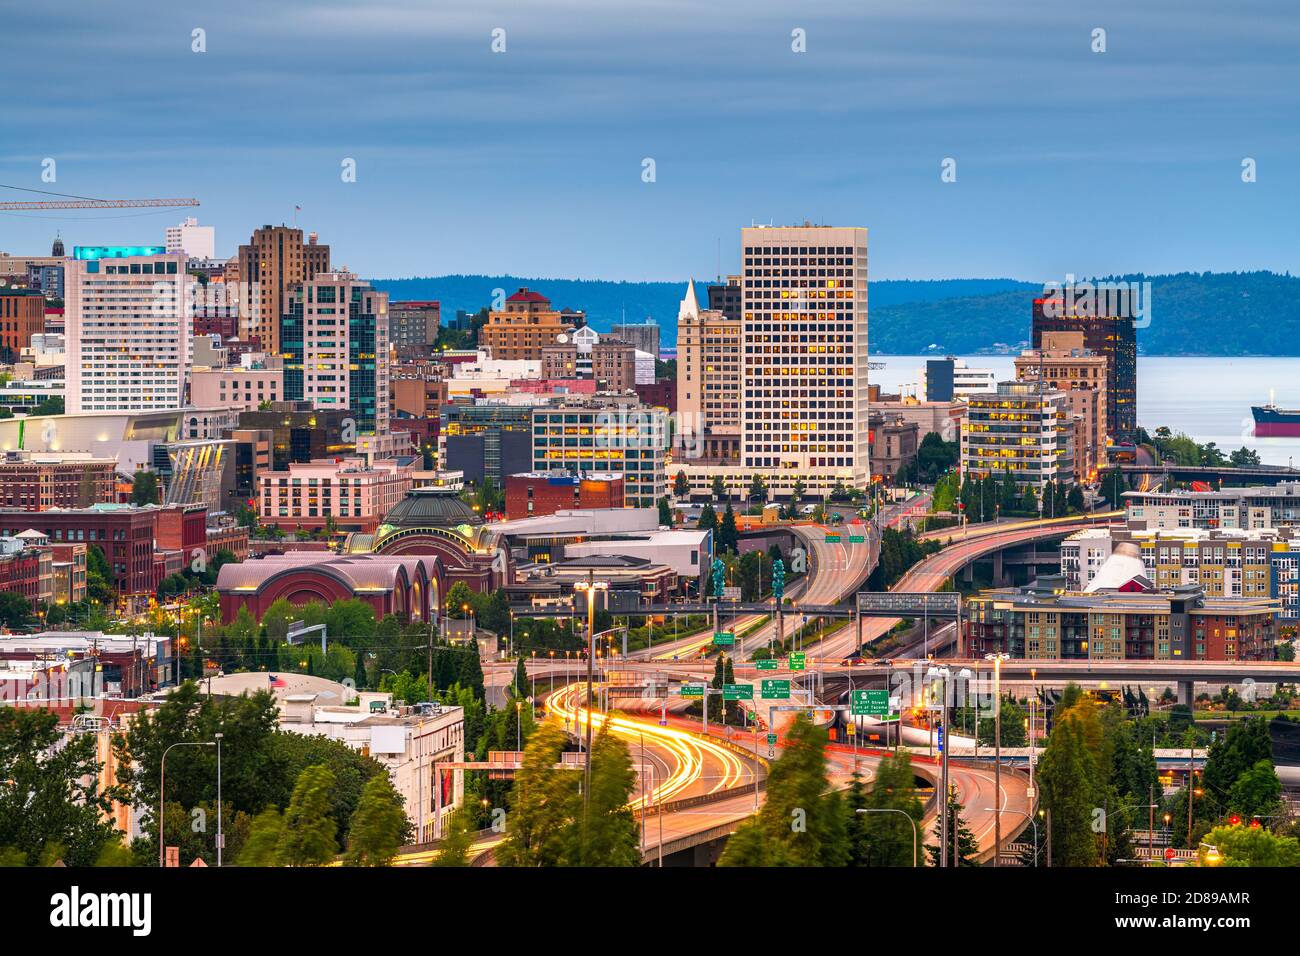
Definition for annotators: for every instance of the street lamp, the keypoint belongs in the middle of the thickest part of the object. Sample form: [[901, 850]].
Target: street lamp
[[997, 660], [162, 791], [1028, 816], [915, 836], [589, 587]]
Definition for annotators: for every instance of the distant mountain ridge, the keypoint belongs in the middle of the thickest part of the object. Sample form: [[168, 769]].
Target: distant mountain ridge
[[1193, 313]]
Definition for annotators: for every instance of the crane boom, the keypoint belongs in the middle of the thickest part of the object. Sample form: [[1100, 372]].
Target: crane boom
[[97, 204]]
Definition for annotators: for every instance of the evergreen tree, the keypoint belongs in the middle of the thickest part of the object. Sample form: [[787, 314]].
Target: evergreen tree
[[1067, 778], [308, 835], [728, 536], [681, 485], [801, 824], [718, 489], [262, 846], [891, 838], [708, 518], [604, 833], [962, 847], [379, 825], [541, 804]]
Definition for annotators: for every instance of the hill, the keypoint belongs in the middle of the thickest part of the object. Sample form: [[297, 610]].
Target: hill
[[1237, 313]]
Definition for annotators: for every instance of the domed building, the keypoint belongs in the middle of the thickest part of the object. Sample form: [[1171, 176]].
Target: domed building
[[434, 521]]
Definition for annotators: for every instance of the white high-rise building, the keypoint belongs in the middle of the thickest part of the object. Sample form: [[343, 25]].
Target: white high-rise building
[[804, 351], [127, 331], [197, 242]]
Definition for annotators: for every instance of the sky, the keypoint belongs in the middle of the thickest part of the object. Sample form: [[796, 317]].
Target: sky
[[531, 161]]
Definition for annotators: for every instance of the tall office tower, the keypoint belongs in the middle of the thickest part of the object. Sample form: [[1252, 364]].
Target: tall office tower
[[1112, 335], [128, 336], [804, 349], [197, 242], [708, 383], [274, 261], [725, 298], [335, 346]]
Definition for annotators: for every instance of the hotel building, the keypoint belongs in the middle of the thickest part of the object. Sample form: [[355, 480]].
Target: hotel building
[[127, 333]]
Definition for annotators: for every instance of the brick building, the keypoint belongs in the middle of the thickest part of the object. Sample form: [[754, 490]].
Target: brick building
[[546, 492], [35, 482]]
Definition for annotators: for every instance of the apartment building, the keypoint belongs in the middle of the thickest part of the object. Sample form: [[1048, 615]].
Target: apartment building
[[1020, 428], [1065, 364]]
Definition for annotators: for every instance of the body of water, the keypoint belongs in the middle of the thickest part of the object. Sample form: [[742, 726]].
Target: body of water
[[1208, 398]]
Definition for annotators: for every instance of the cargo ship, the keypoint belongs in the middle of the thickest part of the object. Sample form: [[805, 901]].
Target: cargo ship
[[1274, 422]]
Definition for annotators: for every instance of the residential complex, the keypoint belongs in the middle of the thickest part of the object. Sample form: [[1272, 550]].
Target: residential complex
[[1022, 429]]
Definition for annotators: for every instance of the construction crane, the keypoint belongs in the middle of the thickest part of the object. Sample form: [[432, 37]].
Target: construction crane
[[68, 201], [97, 204]]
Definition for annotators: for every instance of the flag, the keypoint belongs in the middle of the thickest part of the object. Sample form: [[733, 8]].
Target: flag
[[277, 681]]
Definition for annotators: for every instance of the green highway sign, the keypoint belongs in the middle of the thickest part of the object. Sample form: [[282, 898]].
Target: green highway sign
[[870, 703], [770, 664], [857, 539], [776, 689], [798, 661], [771, 740], [832, 537], [692, 690], [737, 691], [724, 638]]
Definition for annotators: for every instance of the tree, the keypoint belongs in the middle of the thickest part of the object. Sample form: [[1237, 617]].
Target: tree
[[541, 804], [262, 846], [456, 843], [665, 513], [681, 485], [797, 492], [144, 488], [728, 535], [718, 488], [308, 835], [962, 847], [1251, 846], [801, 824], [15, 610], [605, 833], [459, 596], [1232, 755], [379, 827], [887, 839], [49, 789], [1257, 793], [1067, 777], [1074, 500], [708, 518], [1243, 457], [758, 488]]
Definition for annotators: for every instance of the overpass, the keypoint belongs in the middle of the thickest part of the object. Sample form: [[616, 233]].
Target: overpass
[[1249, 474]]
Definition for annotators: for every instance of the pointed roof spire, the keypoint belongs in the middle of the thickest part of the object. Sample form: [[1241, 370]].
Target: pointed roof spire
[[690, 307]]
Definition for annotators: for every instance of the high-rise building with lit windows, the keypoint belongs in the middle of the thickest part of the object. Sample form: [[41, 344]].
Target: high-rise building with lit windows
[[335, 338], [127, 331], [804, 351]]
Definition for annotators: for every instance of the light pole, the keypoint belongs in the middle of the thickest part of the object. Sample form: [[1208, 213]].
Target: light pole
[[162, 791], [997, 660], [997, 815], [221, 837], [590, 586], [915, 834]]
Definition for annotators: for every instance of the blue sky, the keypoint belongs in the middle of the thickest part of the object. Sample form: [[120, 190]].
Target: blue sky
[[529, 161]]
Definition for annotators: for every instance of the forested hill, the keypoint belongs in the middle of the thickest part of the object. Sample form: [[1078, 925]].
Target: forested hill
[[1238, 313]]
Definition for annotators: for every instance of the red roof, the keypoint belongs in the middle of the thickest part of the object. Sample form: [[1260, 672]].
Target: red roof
[[416, 304], [527, 295]]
